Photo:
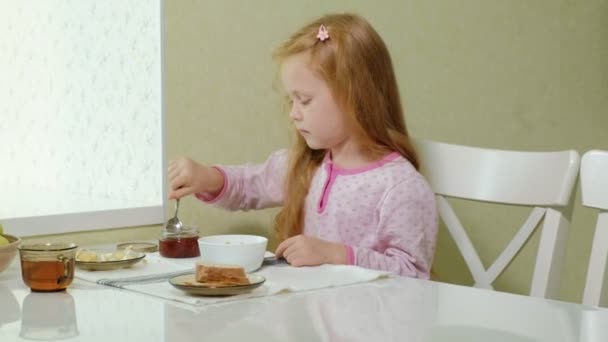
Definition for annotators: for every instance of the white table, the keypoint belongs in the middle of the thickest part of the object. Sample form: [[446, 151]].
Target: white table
[[398, 309]]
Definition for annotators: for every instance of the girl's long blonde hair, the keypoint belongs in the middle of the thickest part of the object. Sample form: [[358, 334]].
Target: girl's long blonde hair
[[356, 65]]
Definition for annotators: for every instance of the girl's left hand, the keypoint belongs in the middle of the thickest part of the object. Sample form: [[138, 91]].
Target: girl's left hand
[[301, 250]]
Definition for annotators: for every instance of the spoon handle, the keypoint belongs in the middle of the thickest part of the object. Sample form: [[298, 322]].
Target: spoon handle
[[176, 207]]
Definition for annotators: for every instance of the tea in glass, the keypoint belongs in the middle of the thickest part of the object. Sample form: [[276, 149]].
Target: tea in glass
[[47, 267]]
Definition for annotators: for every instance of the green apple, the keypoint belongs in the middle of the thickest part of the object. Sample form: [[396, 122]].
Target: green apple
[[3, 240]]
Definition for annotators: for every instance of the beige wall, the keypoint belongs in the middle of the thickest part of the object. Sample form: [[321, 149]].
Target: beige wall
[[508, 74]]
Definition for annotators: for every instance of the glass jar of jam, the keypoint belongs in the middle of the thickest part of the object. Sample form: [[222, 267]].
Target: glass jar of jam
[[182, 243]]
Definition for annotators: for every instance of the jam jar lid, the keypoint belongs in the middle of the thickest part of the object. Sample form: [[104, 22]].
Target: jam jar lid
[[184, 232]]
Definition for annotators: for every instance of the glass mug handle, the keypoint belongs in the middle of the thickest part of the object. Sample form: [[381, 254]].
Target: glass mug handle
[[66, 268]]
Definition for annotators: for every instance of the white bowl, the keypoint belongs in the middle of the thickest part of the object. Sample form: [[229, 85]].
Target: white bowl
[[233, 249]]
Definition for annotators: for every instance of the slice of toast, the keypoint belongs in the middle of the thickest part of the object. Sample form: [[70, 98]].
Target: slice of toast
[[221, 274]]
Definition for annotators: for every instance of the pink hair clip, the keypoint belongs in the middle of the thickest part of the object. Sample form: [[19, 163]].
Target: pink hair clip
[[323, 33]]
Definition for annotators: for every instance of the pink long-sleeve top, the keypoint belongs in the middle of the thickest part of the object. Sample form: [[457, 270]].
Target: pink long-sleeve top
[[385, 212]]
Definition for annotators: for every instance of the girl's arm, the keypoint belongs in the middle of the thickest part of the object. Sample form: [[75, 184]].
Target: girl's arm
[[407, 232], [250, 186]]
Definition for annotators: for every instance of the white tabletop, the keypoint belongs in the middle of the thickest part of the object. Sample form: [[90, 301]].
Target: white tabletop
[[395, 309]]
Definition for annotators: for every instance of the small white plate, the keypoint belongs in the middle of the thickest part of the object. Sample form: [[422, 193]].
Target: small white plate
[[188, 284]]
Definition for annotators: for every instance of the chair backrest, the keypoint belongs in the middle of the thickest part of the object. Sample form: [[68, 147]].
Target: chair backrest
[[541, 180], [594, 187]]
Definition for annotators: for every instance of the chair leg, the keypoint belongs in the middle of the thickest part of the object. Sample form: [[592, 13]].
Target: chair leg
[[596, 286], [551, 252]]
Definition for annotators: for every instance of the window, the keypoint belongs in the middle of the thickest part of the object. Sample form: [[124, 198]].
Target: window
[[80, 115]]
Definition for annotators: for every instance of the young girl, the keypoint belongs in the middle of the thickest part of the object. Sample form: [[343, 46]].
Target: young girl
[[349, 186]]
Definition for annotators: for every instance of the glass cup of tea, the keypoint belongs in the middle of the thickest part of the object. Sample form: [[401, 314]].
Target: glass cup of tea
[[47, 267]]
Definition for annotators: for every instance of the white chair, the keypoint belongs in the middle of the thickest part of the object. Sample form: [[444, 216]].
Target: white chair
[[594, 187], [542, 180]]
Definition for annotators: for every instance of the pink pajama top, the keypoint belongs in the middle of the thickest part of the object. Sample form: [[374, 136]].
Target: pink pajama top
[[384, 213]]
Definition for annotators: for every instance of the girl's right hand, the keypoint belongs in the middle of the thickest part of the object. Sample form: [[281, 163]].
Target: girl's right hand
[[188, 177]]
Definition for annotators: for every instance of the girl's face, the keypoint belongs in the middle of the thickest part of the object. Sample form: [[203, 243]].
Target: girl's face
[[314, 112]]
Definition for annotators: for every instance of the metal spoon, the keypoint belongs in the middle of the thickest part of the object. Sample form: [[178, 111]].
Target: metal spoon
[[174, 224]]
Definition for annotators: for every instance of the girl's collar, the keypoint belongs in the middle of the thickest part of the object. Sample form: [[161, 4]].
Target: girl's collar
[[329, 165]]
